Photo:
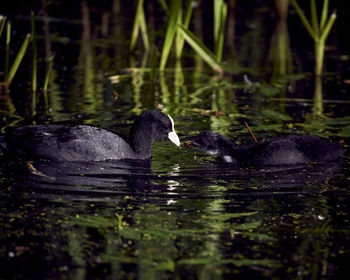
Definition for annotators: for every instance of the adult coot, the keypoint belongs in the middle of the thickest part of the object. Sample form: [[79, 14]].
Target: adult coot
[[87, 143], [296, 149]]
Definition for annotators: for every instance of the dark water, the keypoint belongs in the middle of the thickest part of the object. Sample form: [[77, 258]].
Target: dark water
[[181, 214]]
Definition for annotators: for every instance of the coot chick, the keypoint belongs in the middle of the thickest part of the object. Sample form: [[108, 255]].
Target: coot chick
[[291, 150], [87, 143]]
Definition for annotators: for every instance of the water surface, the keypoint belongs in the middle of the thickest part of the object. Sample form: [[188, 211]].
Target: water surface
[[180, 214]]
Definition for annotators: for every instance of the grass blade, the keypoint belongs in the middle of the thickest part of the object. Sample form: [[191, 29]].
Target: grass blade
[[303, 19], [2, 24], [18, 60], [143, 27], [175, 6], [219, 44], [164, 6], [314, 19], [328, 26], [201, 49], [7, 50], [180, 41], [324, 15], [34, 48], [217, 18], [49, 63], [136, 26], [188, 13]]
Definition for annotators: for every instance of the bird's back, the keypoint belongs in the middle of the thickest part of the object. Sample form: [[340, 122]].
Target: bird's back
[[295, 149], [68, 143]]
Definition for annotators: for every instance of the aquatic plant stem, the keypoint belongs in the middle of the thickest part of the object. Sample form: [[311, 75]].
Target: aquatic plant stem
[[303, 19], [251, 132], [175, 6], [220, 14], [164, 6], [7, 50], [317, 108], [143, 28], [139, 24], [319, 56], [314, 18], [185, 22], [2, 24], [328, 26], [318, 31], [320, 44], [34, 49], [135, 29], [179, 40], [48, 71], [324, 14], [17, 60], [201, 49]]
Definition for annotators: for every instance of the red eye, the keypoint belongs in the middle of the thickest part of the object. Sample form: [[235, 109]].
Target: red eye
[[167, 125]]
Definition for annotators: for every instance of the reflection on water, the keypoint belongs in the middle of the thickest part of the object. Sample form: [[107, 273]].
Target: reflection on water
[[115, 178], [182, 214], [119, 218]]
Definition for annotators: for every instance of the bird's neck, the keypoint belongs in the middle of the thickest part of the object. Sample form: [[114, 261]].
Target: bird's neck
[[141, 142]]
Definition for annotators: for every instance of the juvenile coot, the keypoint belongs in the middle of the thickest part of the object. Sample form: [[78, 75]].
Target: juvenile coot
[[296, 149], [87, 143]]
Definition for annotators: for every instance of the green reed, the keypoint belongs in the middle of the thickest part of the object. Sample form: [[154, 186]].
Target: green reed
[[185, 21], [17, 61], [163, 5], [177, 32], [34, 52], [207, 55], [48, 69], [49, 63], [178, 26], [10, 71], [7, 49], [139, 24], [318, 30], [220, 15], [2, 24], [173, 13], [2, 27]]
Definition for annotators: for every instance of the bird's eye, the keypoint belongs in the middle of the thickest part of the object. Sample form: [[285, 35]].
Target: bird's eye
[[167, 125]]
